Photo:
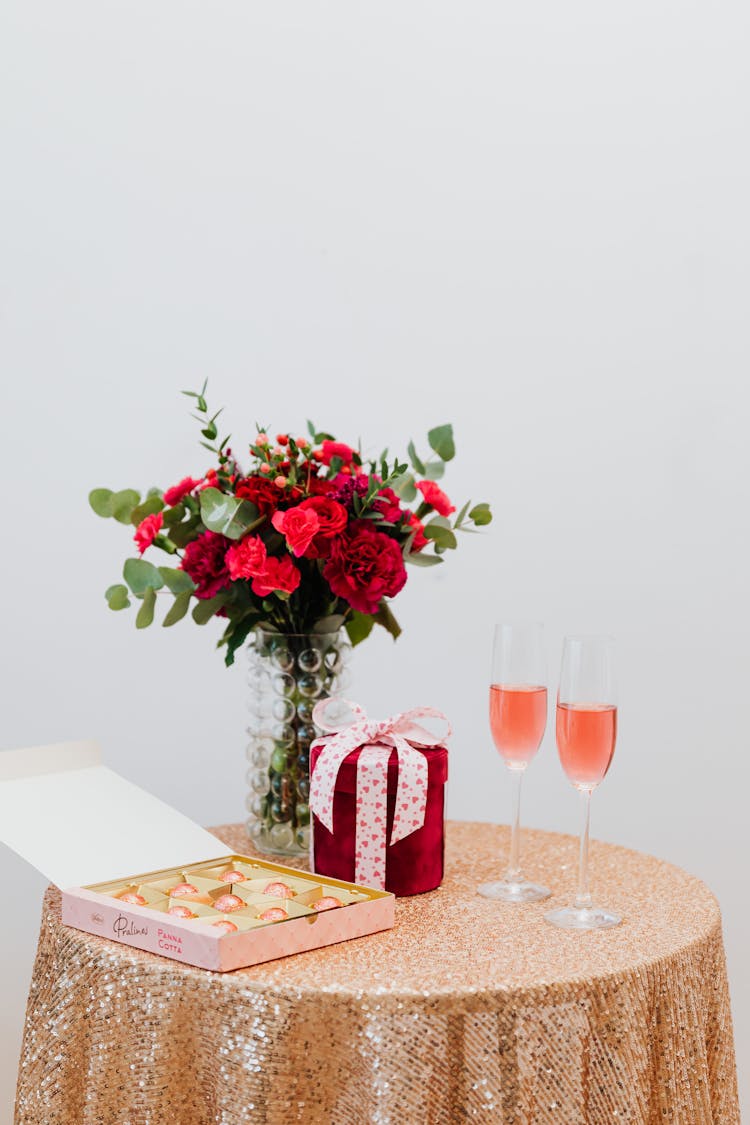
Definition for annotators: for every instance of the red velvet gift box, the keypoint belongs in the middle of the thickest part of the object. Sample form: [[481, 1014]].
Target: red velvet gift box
[[360, 780]]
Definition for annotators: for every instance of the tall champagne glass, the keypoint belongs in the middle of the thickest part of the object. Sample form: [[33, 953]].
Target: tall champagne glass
[[518, 716], [586, 729]]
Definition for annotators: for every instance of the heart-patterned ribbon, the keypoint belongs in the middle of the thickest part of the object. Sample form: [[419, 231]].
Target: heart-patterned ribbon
[[378, 739]]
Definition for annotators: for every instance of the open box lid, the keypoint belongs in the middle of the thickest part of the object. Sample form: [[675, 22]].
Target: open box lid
[[78, 822]]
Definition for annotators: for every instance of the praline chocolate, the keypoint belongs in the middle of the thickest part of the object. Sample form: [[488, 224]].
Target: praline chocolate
[[273, 914], [134, 898], [180, 911], [278, 890], [182, 890], [327, 902], [233, 877], [227, 903], [225, 924]]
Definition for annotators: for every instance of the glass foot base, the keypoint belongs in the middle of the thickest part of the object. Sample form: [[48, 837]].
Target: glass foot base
[[580, 918], [506, 891]]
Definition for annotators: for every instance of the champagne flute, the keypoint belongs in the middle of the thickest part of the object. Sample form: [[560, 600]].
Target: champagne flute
[[518, 716], [586, 730]]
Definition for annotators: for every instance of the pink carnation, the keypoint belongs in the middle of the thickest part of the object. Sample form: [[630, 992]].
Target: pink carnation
[[331, 449], [174, 494], [147, 531], [246, 559], [435, 497], [279, 575], [299, 526]]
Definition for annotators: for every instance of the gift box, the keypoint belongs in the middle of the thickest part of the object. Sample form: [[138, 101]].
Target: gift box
[[377, 795], [90, 832]]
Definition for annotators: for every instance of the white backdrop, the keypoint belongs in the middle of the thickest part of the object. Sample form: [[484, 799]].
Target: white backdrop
[[528, 219]]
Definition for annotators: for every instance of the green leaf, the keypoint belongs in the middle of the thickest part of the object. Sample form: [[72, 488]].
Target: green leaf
[[122, 504], [413, 457], [405, 488], [207, 607], [441, 440], [226, 514], [117, 597], [141, 576], [238, 635], [462, 514], [183, 533], [178, 609], [311, 429], [439, 531], [481, 515], [385, 618], [422, 559], [434, 470], [150, 506], [146, 612], [359, 626], [177, 580], [329, 624], [174, 515], [100, 500]]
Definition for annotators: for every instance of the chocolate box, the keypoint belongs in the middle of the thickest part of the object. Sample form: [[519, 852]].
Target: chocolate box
[[99, 837]]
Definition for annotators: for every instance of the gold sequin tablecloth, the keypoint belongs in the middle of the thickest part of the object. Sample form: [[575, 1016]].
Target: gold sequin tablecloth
[[469, 1010]]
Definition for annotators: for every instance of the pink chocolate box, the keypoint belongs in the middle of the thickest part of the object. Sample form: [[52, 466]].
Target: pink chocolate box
[[61, 810]]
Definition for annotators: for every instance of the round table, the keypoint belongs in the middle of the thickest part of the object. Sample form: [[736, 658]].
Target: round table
[[467, 1010]]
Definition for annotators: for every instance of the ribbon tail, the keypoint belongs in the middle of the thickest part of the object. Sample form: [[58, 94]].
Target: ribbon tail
[[372, 808], [411, 795]]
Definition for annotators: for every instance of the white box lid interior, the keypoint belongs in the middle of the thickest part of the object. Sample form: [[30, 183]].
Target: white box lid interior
[[78, 822]]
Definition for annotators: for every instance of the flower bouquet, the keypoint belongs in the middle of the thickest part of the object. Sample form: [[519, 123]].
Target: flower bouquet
[[304, 546]]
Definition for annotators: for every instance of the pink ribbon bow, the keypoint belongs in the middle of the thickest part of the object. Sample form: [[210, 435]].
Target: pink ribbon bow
[[377, 740]]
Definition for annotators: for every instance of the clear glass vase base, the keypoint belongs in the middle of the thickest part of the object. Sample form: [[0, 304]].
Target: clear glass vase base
[[583, 918], [508, 891]]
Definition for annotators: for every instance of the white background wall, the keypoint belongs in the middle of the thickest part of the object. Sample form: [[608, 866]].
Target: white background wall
[[529, 219]]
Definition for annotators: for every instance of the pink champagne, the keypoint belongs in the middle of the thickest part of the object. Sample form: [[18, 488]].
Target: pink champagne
[[518, 716], [586, 734]]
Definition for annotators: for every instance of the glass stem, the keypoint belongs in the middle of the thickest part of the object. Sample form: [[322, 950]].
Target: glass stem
[[583, 894], [513, 874]]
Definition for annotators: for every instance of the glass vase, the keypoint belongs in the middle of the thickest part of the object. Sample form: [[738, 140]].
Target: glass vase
[[288, 674]]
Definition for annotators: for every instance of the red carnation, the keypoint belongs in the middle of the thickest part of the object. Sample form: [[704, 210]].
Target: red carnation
[[320, 486], [174, 494], [299, 526], [365, 566], [261, 492], [388, 505], [280, 575], [420, 540], [147, 531], [332, 520], [435, 497], [204, 560], [331, 449], [246, 559]]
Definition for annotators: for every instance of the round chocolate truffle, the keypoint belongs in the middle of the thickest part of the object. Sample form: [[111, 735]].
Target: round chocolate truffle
[[182, 890], [273, 914], [233, 877], [225, 924], [227, 903], [327, 902], [181, 911], [278, 890], [134, 898]]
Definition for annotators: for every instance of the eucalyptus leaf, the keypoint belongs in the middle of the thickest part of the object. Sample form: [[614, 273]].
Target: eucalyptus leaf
[[462, 514], [177, 581], [434, 470], [117, 597], [481, 514], [122, 504], [206, 608], [182, 533], [441, 440], [443, 537], [146, 612], [150, 506], [405, 488], [141, 576], [178, 609], [414, 458], [237, 635], [226, 514], [421, 559], [100, 500]]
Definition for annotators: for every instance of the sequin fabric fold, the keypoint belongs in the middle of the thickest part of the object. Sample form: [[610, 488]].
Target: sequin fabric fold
[[469, 1010]]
